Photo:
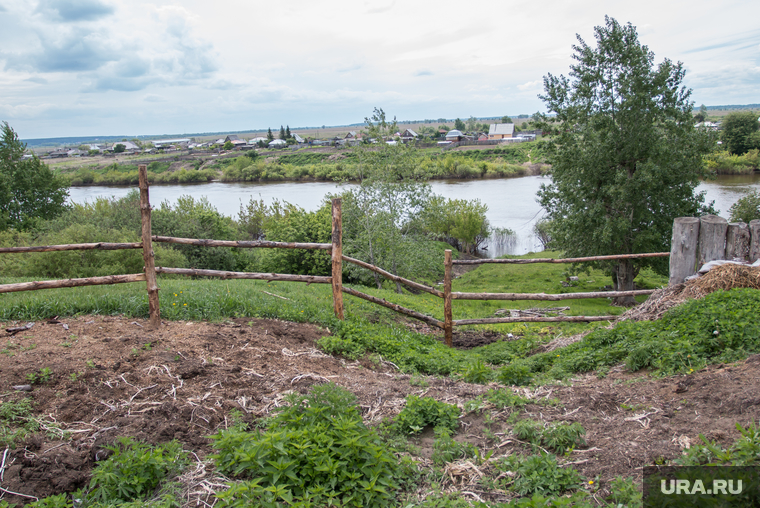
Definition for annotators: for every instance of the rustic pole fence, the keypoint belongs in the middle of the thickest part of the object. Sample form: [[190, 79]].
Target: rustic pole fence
[[337, 258], [448, 316]]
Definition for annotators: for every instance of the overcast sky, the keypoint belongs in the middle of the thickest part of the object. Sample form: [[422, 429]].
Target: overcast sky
[[127, 67]]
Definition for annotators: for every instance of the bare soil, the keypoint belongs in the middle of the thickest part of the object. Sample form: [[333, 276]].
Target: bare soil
[[112, 376]]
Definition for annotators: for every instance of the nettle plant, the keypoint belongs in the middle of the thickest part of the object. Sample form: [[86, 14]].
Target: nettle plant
[[420, 412], [315, 452]]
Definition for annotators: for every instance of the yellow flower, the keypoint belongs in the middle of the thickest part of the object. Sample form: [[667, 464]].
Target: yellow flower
[[591, 482], [174, 303], [185, 305]]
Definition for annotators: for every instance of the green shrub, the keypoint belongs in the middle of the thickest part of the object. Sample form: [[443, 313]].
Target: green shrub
[[16, 421], [517, 374], [747, 208], [477, 372], [134, 470], [560, 436], [315, 452], [420, 412]]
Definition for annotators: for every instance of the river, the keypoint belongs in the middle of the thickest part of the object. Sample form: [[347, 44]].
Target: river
[[511, 201]]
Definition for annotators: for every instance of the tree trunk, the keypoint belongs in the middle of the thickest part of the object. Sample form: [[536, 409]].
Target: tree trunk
[[626, 272]]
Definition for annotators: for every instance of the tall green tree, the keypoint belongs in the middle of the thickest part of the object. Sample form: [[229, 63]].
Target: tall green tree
[[741, 131], [626, 158], [288, 135], [29, 191], [282, 133], [459, 125], [270, 136]]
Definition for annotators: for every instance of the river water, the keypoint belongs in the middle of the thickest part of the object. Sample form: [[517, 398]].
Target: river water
[[511, 201]]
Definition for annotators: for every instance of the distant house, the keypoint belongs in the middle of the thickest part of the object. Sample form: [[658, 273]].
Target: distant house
[[298, 138], [277, 143], [255, 141], [482, 137], [235, 140], [351, 135], [409, 135], [454, 136], [501, 131]]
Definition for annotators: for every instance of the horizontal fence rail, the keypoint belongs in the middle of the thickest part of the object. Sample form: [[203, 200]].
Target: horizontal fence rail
[[70, 283], [393, 306], [533, 319], [72, 246], [193, 272], [549, 297], [560, 260], [243, 244], [395, 278]]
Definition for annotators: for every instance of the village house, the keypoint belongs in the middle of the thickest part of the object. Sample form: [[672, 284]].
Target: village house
[[501, 131], [409, 135]]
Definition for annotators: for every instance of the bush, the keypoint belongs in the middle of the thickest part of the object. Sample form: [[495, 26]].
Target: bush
[[540, 474], [747, 208]]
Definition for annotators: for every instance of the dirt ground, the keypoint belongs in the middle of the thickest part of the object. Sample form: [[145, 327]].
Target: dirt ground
[[112, 376]]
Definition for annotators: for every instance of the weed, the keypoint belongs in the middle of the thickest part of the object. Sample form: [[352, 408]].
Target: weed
[[419, 381], [90, 364], [515, 374], [420, 412], [539, 474], [446, 450], [40, 377], [624, 492], [477, 372], [560, 437], [147, 346], [315, 452], [16, 421], [74, 376], [134, 470], [135, 352]]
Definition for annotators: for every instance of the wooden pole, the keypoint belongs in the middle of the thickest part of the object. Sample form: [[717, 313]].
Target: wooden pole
[[683, 249], [71, 283], [712, 239], [148, 256], [337, 258], [395, 278], [737, 241], [72, 246], [754, 242], [196, 272], [549, 297], [398, 308], [242, 244], [448, 320], [559, 260], [536, 319]]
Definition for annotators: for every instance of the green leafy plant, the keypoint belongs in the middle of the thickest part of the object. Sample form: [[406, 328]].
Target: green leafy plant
[[16, 421], [517, 374], [420, 412], [135, 470], [560, 436], [40, 377], [315, 452], [477, 372], [539, 474], [445, 449], [624, 492]]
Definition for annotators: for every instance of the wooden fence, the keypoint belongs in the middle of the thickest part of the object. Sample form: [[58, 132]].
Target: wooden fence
[[687, 242]]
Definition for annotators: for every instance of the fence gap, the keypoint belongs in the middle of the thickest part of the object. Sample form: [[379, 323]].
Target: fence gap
[[337, 258], [147, 245]]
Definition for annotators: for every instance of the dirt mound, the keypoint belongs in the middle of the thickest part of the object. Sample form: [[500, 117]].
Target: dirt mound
[[336, 157]]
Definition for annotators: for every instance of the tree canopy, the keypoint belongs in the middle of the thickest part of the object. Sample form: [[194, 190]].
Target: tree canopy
[[741, 131], [29, 191], [626, 157]]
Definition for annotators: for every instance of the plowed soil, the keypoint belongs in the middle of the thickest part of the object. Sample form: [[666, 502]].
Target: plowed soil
[[112, 376]]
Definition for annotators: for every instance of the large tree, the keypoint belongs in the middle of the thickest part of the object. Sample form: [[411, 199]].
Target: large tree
[[29, 191], [626, 158], [741, 131]]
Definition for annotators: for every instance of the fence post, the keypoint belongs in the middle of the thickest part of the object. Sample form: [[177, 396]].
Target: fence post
[[737, 241], [683, 249], [754, 239], [448, 322], [337, 258], [148, 256], [712, 238]]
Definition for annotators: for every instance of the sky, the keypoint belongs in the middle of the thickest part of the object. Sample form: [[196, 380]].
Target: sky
[[128, 67]]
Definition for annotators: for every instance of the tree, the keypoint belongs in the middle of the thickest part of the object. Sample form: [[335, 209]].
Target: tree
[[701, 115], [506, 119], [282, 133], [740, 132], [119, 148], [626, 157], [270, 136], [29, 191], [747, 208], [228, 145], [459, 125], [288, 135]]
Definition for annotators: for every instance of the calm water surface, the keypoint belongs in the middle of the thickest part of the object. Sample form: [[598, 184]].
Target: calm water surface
[[511, 201]]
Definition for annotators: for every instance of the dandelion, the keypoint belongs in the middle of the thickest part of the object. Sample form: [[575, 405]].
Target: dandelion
[[591, 482]]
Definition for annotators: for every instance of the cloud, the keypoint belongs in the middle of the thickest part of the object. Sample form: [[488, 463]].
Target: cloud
[[154, 98], [530, 85], [3, 9], [380, 8], [76, 10], [38, 80], [75, 51], [423, 73]]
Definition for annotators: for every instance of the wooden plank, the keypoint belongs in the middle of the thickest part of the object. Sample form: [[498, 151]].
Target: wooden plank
[[398, 308], [549, 297], [147, 245], [537, 319], [683, 249], [70, 283], [395, 278], [194, 272], [73, 246], [337, 258], [448, 332], [242, 244], [559, 260]]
